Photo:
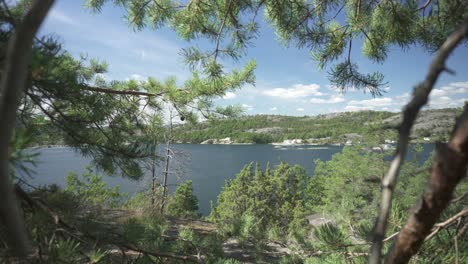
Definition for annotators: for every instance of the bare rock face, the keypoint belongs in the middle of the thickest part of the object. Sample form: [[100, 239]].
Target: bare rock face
[[317, 220], [291, 142], [225, 141], [208, 141], [437, 121], [248, 254], [265, 130]]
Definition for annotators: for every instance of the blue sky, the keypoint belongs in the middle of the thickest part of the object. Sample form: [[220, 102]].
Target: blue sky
[[287, 79]]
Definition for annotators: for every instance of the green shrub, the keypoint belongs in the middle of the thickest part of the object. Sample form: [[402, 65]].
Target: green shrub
[[183, 203], [91, 188]]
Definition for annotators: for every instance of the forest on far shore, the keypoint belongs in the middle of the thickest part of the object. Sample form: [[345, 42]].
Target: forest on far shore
[[323, 129]]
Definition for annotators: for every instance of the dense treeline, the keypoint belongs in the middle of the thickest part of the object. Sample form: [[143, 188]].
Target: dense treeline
[[329, 128], [262, 129], [275, 128]]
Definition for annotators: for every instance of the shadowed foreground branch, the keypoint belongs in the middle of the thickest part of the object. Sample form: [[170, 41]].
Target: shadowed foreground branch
[[443, 154], [11, 89], [449, 167]]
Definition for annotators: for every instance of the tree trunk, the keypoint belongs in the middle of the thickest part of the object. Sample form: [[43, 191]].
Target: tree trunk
[[166, 167], [448, 168], [153, 176], [12, 86]]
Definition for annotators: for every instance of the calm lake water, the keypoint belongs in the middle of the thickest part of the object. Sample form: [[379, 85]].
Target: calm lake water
[[208, 166]]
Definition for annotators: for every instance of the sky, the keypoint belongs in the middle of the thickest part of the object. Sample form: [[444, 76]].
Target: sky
[[288, 81]]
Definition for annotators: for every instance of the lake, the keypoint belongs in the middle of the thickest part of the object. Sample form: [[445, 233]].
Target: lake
[[208, 166]]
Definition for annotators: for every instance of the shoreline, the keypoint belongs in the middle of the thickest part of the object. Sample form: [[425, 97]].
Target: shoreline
[[274, 144]]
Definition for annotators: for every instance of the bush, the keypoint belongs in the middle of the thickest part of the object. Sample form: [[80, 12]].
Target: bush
[[91, 188], [183, 203]]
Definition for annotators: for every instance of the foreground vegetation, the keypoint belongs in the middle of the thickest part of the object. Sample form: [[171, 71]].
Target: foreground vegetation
[[326, 218]]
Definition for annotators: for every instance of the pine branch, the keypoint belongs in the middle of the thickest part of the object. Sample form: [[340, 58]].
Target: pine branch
[[120, 92], [11, 88], [420, 98], [220, 32]]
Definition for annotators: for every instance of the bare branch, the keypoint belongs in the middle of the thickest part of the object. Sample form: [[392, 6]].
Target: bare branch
[[11, 89], [446, 223], [459, 198], [425, 5], [420, 98], [437, 226]]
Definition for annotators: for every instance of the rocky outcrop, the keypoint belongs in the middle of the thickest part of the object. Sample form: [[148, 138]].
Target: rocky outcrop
[[290, 142], [225, 141]]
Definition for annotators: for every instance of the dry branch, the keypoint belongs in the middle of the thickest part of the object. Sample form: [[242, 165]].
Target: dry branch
[[459, 198], [438, 226], [446, 223], [11, 89], [448, 169], [420, 98]]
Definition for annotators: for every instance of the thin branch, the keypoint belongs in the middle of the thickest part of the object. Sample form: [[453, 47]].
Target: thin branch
[[390, 237], [420, 98], [220, 32], [425, 5], [437, 227], [12, 85], [109, 90], [446, 223], [459, 198], [462, 231], [120, 92]]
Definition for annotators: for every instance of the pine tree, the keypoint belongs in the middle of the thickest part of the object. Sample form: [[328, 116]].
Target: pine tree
[[184, 203]]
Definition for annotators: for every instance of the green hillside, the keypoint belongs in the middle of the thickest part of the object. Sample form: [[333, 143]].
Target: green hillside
[[329, 128]]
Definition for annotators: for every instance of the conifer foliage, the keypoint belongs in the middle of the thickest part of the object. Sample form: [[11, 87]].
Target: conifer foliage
[[328, 28]]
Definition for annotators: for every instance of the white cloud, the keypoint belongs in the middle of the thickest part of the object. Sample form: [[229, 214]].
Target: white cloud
[[300, 109], [274, 108], [142, 54], [451, 89], [381, 103], [247, 107], [354, 108], [445, 101], [58, 16], [374, 102], [339, 90], [404, 96], [229, 95], [332, 100], [452, 95], [296, 91], [136, 76]]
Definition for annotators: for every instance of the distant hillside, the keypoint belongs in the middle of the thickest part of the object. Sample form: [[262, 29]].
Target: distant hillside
[[430, 122], [329, 128]]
